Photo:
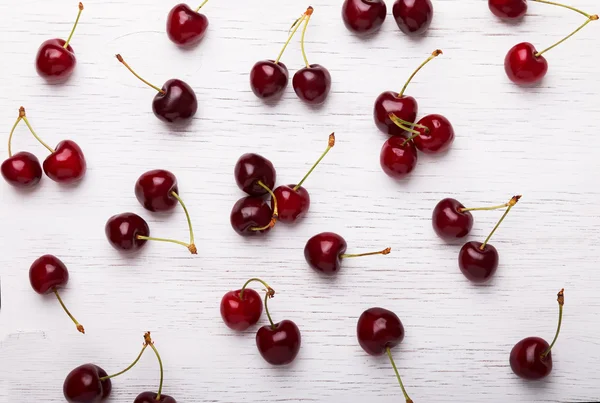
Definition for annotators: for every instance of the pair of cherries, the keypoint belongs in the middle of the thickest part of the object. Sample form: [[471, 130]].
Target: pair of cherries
[[366, 16], [186, 27], [89, 383], [451, 221], [65, 164], [523, 63], [255, 175], [157, 191], [278, 343], [269, 78], [395, 114]]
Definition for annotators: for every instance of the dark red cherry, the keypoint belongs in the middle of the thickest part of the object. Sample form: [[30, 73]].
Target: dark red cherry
[[239, 314], [48, 273], [478, 265], [379, 329], [526, 358], [522, 66], [83, 385], [186, 27], [250, 169], [54, 62], [279, 344], [66, 164], [312, 84], [150, 397], [268, 78], [22, 170], [398, 157], [250, 213], [323, 252], [449, 222], [438, 135], [176, 103], [508, 9], [404, 107], [122, 230], [363, 16], [154, 190], [413, 16], [292, 203]]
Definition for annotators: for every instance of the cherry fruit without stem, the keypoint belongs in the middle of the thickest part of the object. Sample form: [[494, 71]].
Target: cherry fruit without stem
[[242, 308], [251, 216], [364, 17], [122, 231], [23, 169], [413, 16], [55, 59], [87, 384], [250, 169], [186, 27]]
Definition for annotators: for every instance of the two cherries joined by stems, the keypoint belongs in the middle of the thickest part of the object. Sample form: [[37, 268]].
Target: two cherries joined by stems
[[175, 102], [65, 164], [157, 191], [186, 27], [365, 17], [55, 59]]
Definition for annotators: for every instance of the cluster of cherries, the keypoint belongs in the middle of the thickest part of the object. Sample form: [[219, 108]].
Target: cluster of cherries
[[269, 78], [366, 16], [523, 63], [278, 343], [395, 114]]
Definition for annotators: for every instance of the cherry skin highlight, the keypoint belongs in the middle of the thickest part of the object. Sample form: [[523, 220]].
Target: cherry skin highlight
[[522, 66], [312, 84], [398, 157], [279, 344], [177, 102], [268, 79], [478, 265], [438, 136], [526, 358], [186, 27], [248, 213], [364, 16], [379, 329], [53, 62], [150, 397], [154, 190], [292, 204], [122, 230], [83, 385], [413, 16], [405, 107], [66, 164], [22, 170], [323, 252], [449, 222], [508, 9], [239, 314], [48, 273], [250, 169]]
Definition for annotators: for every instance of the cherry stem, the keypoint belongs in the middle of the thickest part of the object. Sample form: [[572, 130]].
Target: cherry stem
[[591, 18], [294, 28], [386, 251], [267, 297], [22, 116], [562, 5], [120, 59], [79, 327], [201, 5], [267, 286], [401, 124], [411, 138], [191, 246], [561, 302], [275, 210], [389, 353], [149, 342], [309, 12], [330, 144], [435, 54], [511, 204], [10, 136], [130, 366], [74, 26], [462, 210]]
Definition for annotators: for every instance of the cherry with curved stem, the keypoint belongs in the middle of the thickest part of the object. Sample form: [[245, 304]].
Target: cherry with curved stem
[[66, 45], [275, 214], [22, 169], [242, 308], [147, 334], [389, 354], [434, 54]]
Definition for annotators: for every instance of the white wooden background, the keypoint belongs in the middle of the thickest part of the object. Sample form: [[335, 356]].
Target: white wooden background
[[542, 142]]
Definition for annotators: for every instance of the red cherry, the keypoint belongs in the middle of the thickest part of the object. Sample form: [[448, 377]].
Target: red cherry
[[186, 27], [508, 9], [55, 59], [251, 216], [268, 78], [156, 190], [363, 16], [413, 16], [251, 170], [122, 231], [84, 385], [22, 170], [312, 84], [279, 343], [436, 134], [242, 308], [398, 157], [450, 219], [151, 397], [66, 164], [523, 66]]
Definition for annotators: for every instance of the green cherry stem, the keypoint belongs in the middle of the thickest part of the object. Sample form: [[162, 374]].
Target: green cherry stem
[[201, 5], [412, 125], [191, 246], [401, 124], [386, 251], [275, 210], [590, 19], [308, 13], [267, 297], [330, 144], [24, 117], [294, 28], [74, 26], [130, 366], [562, 5], [389, 354], [77, 324], [435, 54], [511, 204], [10, 136], [411, 138], [149, 342], [499, 206], [561, 302], [269, 290], [120, 59]]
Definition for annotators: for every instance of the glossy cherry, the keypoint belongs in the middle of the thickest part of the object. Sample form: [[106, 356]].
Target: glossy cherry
[[84, 384], [242, 308], [413, 16], [436, 134], [175, 102], [66, 164], [55, 59], [531, 358], [151, 397], [398, 157], [364, 16], [508, 9], [251, 216], [186, 27], [251, 170], [450, 219], [122, 231], [22, 170], [403, 106]]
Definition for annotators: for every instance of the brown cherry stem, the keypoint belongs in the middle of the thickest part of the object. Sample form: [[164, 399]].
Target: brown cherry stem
[[77, 324], [389, 354], [275, 215], [590, 19], [267, 297], [435, 54], [330, 144], [24, 117], [148, 341], [120, 59], [201, 5], [132, 364], [511, 204], [293, 30], [308, 13], [10, 136], [562, 5], [74, 26], [386, 251], [268, 288], [561, 302]]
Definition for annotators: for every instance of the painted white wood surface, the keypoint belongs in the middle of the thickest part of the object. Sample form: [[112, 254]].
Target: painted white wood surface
[[542, 142]]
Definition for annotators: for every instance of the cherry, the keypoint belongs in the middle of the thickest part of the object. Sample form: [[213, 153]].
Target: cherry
[[435, 134], [413, 16], [47, 274], [531, 358], [508, 9], [378, 331], [55, 59], [479, 261], [175, 102], [252, 216], [403, 106], [252, 169], [364, 16], [122, 231], [294, 200], [398, 157], [324, 252], [87, 383], [152, 397], [278, 343], [242, 308], [23, 169], [185, 26]]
